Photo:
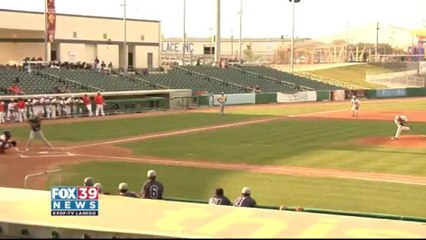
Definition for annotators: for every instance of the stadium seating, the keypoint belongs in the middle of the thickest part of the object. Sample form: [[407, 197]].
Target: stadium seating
[[98, 80], [246, 80], [30, 83], [288, 77], [183, 80]]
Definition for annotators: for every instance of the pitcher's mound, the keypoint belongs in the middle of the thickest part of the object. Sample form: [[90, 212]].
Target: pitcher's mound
[[406, 141]]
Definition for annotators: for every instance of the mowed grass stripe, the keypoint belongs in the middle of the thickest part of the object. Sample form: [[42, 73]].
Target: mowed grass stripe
[[311, 143], [120, 128], [267, 189]]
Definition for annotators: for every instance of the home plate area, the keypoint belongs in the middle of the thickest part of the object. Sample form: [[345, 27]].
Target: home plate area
[[44, 152]]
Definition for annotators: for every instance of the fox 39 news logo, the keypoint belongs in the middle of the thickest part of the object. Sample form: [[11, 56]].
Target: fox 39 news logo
[[74, 201]]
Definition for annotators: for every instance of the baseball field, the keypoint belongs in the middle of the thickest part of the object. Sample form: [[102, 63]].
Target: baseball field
[[310, 154]]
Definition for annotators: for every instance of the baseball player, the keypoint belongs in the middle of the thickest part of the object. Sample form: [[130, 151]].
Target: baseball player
[[355, 106], [62, 108], [53, 107], [29, 105], [219, 198], [11, 108], [123, 189], [36, 106], [245, 200], [48, 104], [222, 100], [5, 142], [88, 103], [2, 111], [99, 100], [152, 189], [35, 123], [21, 110], [400, 121]]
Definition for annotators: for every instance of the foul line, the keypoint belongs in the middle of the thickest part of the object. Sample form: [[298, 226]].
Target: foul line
[[278, 170], [174, 133]]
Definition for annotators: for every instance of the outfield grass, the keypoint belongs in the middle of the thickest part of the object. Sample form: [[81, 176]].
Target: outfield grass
[[267, 189], [354, 74], [311, 143], [121, 128], [294, 109]]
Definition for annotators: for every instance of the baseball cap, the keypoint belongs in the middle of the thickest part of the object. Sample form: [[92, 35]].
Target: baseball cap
[[88, 181], [151, 173], [98, 185], [245, 190], [123, 186]]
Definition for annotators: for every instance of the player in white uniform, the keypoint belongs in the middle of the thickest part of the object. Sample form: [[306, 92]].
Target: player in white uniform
[[355, 106], [400, 121], [11, 110], [222, 100]]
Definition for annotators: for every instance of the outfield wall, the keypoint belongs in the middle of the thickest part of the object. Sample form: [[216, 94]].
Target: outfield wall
[[311, 96], [26, 213]]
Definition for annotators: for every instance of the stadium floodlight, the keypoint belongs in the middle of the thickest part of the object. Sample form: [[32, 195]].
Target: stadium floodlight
[[124, 5], [184, 33], [292, 36], [241, 30]]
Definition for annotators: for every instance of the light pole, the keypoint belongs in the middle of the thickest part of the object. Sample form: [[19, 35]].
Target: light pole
[[124, 5], [184, 33], [211, 42], [292, 36], [241, 30], [217, 45], [232, 44], [46, 46]]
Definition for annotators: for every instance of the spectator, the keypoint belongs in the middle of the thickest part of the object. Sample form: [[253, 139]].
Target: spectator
[[110, 65], [152, 189], [103, 65], [67, 90], [245, 200], [88, 182], [124, 191], [15, 89], [219, 198], [101, 191], [17, 80]]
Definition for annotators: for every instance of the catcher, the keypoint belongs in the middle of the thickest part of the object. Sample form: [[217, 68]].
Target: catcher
[[5, 142], [400, 121]]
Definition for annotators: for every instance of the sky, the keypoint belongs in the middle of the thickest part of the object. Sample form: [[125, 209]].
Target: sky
[[261, 18]]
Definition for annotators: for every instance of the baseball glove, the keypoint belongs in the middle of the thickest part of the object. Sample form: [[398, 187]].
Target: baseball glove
[[13, 143]]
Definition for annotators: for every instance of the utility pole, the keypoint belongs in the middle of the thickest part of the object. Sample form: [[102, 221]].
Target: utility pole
[[217, 46], [377, 40], [184, 33], [241, 30], [46, 44]]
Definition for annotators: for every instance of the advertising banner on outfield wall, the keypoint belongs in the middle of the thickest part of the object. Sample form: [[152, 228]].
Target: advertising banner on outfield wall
[[235, 99], [308, 96], [51, 20], [358, 93], [422, 67], [388, 93], [338, 95]]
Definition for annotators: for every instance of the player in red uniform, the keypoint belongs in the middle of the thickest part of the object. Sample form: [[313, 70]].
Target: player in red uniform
[[99, 100]]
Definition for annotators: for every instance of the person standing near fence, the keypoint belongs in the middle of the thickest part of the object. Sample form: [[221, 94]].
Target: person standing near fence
[[21, 110], [2, 111], [88, 103], [35, 125], [222, 100], [99, 100]]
